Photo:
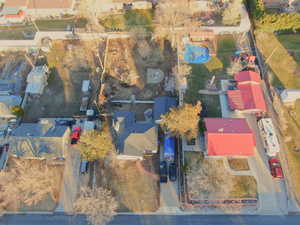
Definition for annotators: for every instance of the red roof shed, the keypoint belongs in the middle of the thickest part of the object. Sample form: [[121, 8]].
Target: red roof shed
[[246, 76], [249, 94], [229, 137]]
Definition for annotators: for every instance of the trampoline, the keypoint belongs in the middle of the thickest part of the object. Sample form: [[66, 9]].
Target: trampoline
[[196, 54]]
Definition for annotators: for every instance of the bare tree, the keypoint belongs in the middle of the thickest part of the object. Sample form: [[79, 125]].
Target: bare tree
[[96, 144], [183, 121], [28, 183], [232, 13], [98, 204], [209, 180], [173, 17], [182, 71]]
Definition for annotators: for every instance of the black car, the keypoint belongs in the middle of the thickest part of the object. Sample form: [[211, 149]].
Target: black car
[[172, 172], [163, 168]]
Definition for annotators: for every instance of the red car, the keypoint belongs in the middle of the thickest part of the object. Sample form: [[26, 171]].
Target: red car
[[75, 136], [275, 167]]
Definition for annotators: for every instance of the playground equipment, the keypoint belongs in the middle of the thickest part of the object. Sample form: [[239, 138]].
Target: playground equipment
[[196, 54]]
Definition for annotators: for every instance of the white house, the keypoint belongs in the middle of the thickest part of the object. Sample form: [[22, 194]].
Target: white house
[[289, 96], [37, 80]]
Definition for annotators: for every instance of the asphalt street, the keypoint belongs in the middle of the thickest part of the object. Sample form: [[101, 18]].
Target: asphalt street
[[61, 219]]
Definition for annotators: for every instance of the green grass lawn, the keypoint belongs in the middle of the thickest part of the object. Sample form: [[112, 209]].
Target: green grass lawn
[[128, 20], [284, 66], [60, 25], [15, 32], [292, 43], [202, 74]]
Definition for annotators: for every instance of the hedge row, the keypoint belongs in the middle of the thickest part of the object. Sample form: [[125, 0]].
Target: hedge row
[[272, 21]]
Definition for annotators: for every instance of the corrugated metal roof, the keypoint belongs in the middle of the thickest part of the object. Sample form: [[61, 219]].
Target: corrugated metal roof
[[247, 76], [163, 105], [227, 125]]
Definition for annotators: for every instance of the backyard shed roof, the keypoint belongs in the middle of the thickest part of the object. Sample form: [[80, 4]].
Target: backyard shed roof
[[229, 136], [246, 76], [248, 95]]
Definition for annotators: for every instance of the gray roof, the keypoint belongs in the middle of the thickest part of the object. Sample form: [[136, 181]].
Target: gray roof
[[163, 105], [136, 137], [39, 130]]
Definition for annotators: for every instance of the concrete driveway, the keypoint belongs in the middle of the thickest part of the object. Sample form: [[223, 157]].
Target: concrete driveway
[[169, 202]]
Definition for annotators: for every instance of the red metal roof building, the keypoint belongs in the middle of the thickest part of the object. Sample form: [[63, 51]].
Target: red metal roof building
[[248, 94], [229, 137]]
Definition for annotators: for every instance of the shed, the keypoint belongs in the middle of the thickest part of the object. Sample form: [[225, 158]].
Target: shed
[[229, 137], [37, 80], [289, 96]]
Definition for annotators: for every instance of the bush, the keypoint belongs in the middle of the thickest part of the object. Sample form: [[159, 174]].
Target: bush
[[17, 110]]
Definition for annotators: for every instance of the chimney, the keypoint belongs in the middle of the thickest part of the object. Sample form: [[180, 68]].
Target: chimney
[[119, 124]]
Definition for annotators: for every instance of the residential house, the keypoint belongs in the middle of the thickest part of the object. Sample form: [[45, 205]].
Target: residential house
[[290, 96], [245, 94], [229, 137], [44, 139], [37, 9], [136, 138], [37, 80]]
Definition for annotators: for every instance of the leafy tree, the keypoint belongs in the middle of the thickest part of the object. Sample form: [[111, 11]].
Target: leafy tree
[[182, 121], [96, 144], [231, 14], [17, 110], [98, 204]]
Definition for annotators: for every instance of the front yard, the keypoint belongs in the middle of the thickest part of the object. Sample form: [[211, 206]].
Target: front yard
[[60, 24], [48, 201], [134, 190], [209, 179]]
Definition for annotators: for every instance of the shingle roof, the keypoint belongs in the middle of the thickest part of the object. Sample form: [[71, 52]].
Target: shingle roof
[[39, 130], [163, 105]]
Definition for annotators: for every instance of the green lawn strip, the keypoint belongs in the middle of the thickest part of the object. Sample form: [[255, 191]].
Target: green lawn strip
[[129, 20], [61, 24], [281, 63], [292, 43]]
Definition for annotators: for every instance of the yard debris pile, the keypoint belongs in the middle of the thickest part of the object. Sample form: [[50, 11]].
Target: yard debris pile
[[121, 63]]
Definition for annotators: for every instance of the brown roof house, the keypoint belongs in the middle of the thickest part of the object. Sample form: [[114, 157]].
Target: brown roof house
[[44, 139], [41, 8]]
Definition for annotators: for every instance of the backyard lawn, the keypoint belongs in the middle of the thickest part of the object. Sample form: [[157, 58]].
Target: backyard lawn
[[129, 20], [292, 43], [203, 73], [61, 24]]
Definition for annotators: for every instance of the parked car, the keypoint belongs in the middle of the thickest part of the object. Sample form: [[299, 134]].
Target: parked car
[[163, 168], [172, 172], [75, 136], [84, 165], [275, 167]]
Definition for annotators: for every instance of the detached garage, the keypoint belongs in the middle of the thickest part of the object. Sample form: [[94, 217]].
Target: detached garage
[[229, 137]]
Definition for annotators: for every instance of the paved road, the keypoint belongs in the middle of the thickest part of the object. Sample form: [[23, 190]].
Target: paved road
[[152, 220]]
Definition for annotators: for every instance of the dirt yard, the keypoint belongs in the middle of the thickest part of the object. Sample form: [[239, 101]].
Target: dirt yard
[[135, 190], [238, 164], [70, 63], [48, 203], [208, 179], [127, 64]]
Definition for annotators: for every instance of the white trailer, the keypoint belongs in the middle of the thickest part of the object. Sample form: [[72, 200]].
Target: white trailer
[[268, 134]]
